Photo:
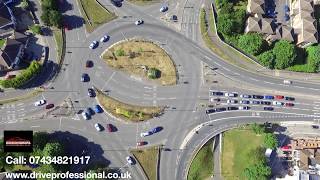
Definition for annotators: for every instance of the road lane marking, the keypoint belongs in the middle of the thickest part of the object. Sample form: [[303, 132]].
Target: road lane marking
[[108, 80], [34, 126]]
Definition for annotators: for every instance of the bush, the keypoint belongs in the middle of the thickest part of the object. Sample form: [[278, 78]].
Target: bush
[[36, 29], [119, 52], [267, 59], [27, 74], [153, 73], [285, 54], [240, 19], [270, 141], [252, 43], [226, 24], [313, 58]]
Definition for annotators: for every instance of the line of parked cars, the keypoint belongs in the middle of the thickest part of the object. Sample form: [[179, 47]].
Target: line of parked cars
[[247, 96]]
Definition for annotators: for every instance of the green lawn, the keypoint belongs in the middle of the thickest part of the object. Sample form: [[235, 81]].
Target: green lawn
[[97, 15], [148, 160], [57, 33], [2, 41], [143, 2], [202, 165], [238, 144]]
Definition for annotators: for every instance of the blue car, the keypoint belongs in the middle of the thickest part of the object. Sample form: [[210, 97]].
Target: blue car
[[98, 109], [156, 129], [268, 97], [268, 108], [89, 111]]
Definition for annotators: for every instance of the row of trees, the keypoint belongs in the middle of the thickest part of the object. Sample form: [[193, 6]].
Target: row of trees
[[27, 74], [50, 13]]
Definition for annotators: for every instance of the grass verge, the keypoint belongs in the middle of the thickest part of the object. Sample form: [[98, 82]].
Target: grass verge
[[126, 111], [137, 56], [57, 33], [238, 145], [148, 160], [202, 165], [2, 41], [144, 2], [94, 14], [23, 97]]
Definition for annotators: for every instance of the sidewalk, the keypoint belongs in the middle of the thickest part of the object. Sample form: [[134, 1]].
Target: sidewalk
[[252, 66]]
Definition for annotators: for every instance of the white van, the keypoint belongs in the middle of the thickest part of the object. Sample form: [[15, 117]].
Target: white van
[[287, 81]]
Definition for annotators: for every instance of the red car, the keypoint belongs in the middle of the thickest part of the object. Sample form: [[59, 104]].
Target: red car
[[89, 64], [279, 97], [141, 143], [49, 106], [289, 104], [109, 127]]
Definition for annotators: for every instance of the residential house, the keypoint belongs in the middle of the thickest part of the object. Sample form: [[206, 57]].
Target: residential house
[[6, 16]]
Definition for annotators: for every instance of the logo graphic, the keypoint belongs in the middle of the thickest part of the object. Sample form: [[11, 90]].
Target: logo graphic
[[18, 141]]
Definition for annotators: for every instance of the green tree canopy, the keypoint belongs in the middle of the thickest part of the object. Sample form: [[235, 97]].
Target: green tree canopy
[[55, 18], [40, 139], [252, 43], [270, 141], [36, 29], [267, 59], [53, 149], [257, 171], [313, 58], [285, 54], [226, 24], [258, 128], [49, 4]]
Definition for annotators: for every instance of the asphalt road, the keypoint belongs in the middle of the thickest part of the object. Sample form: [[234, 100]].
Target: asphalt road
[[183, 113]]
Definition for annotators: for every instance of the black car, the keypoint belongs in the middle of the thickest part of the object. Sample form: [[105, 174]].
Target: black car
[[265, 102], [255, 102], [209, 111], [217, 93], [91, 92], [221, 109], [116, 3], [289, 98], [232, 108], [268, 108], [257, 97]]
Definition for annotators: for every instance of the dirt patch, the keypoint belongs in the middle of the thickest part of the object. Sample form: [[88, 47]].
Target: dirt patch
[[136, 57]]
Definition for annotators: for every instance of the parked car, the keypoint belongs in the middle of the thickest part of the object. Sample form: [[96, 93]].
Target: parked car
[[98, 127], [85, 116], [232, 108], [116, 3], [245, 96], [214, 99], [268, 97], [89, 63], [40, 102], [163, 8], [279, 97], [244, 102], [289, 98], [244, 107], [255, 102], [49, 106], [141, 143], [105, 38], [217, 93], [277, 103], [268, 108], [98, 109], [221, 109], [90, 111], [230, 94], [156, 129], [289, 104], [109, 127], [138, 22], [174, 18], [85, 77], [91, 92], [210, 111], [93, 45], [257, 97], [232, 101], [144, 134], [265, 102], [129, 160]]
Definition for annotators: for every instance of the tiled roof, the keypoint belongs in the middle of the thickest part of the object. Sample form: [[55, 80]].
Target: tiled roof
[[256, 6]]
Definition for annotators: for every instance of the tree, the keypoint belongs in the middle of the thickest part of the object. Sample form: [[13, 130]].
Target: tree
[[45, 17], [252, 43], [53, 149], [24, 4], [285, 54], [270, 141], [267, 59], [36, 29], [257, 171], [313, 58], [258, 128], [40, 139], [55, 18], [49, 4], [225, 24], [240, 19]]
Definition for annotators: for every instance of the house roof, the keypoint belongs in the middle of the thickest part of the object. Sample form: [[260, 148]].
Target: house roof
[[18, 36], [256, 6], [304, 159], [9, 52], [253, 24], [268, 26], [5, 17], [286, 33]]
